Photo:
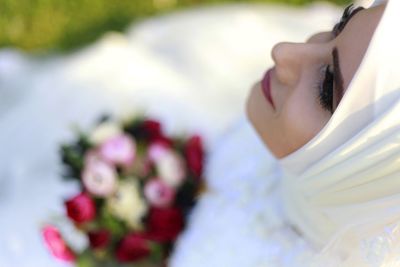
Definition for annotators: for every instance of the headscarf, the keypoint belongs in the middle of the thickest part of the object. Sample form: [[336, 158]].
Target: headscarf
[[349, 174]]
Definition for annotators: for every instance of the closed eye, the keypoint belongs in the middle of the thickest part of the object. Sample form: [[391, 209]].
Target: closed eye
[[331, 87]]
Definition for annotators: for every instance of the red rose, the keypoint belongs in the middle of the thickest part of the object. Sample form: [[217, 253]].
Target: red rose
[[164, 224], [81, 208], [194, 154], [152, 128], [99, 239], [164, 140], [154, 133], [133, 247], [56, 244]]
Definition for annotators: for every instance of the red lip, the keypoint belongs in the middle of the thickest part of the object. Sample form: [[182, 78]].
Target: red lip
[[266, 87]]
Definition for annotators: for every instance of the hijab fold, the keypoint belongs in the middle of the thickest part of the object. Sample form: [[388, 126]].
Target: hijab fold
[[349, 174]]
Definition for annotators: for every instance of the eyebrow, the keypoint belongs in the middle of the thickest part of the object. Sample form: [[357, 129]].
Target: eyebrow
[[348, 13], [338, 28], [337, 75]]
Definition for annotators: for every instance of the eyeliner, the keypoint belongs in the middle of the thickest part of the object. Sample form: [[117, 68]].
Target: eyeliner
[[338, 75]]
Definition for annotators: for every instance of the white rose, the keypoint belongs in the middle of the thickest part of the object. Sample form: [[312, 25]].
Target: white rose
[[104, 131], [127, 203]]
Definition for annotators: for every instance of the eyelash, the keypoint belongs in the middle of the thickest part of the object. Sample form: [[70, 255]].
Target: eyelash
[[325, 82], [325, 88]]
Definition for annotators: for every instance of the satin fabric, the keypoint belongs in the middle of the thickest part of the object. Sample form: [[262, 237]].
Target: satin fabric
[[345, 182]]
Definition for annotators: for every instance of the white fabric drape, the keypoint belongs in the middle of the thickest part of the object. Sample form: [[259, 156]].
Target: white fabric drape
[[344, 185]]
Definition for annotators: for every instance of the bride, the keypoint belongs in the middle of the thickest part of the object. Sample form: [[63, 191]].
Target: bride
[[326, 192], [320, 191]]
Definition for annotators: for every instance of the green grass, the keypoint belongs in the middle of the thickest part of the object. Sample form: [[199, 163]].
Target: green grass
[[63, 25]]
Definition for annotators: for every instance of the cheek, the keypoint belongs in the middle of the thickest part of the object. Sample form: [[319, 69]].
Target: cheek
[[262, 118], [298, 121], [302, 119], [256, 109]]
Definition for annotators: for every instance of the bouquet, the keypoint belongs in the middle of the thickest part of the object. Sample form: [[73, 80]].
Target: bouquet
[[137, 187]]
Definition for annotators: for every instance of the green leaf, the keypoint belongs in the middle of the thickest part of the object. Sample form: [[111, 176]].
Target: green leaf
[[157, 252], [114, 225], [85, 260]]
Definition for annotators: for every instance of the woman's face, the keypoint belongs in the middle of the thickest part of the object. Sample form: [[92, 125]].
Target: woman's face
[[308, 80]]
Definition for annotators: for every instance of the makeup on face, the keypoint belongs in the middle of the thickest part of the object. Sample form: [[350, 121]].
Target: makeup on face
[[283, 106], [334, 87], [339, 88], [266, 87], [330, 86]]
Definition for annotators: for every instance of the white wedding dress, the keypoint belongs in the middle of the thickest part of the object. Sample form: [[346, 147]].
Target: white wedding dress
[[192, 70], [240, 221]]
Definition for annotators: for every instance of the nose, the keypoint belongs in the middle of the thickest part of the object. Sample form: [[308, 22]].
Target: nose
[[321, 37], [288, 58]]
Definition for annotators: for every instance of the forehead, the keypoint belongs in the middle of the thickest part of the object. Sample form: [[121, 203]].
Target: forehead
[[352, 43]]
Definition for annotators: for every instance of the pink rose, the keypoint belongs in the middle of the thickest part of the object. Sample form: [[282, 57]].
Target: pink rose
[[194, 154], [170, 165], [99, 177], [156, 151], [158, 193], [133, 247], [81, 208], [119, 150], [56, 244]]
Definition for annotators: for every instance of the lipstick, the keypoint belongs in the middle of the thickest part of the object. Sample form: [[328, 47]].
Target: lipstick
[[266, 87]]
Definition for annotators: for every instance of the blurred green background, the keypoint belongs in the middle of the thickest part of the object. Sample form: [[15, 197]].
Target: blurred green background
[[63, 25]]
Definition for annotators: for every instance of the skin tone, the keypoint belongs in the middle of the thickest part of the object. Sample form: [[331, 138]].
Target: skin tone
[[297, 115]]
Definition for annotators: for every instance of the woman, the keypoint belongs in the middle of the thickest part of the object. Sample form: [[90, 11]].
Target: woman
[[328, 111]]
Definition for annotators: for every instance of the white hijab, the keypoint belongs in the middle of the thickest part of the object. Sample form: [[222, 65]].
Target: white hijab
[[349, 174]]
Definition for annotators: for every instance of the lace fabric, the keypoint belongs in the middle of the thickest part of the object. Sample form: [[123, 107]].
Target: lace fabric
[[240, 221]]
